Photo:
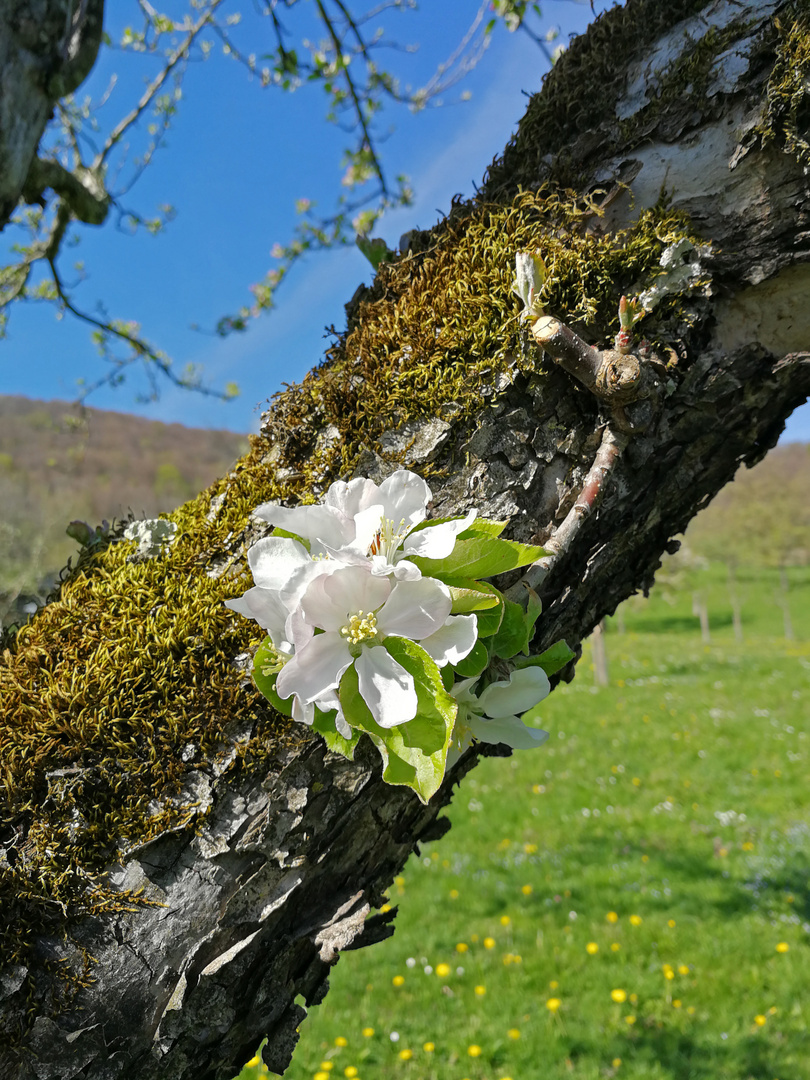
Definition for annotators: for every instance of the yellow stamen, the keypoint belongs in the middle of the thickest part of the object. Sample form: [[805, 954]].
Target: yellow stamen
[[360, 627]]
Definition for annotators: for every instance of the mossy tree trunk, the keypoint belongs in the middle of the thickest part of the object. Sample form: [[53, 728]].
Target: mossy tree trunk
[[181, 864]]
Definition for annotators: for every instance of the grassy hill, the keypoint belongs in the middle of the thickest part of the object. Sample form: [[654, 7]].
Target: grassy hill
[[59, 462]]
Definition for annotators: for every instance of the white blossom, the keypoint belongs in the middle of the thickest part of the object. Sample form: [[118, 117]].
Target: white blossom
[[492, 716]]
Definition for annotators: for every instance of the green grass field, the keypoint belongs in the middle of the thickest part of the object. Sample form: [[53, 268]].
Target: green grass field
[[630, 900]]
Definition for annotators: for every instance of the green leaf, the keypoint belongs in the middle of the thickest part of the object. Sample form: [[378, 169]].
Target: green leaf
[[291, 536], [513, 635], [551, 661], [324, 724], [265, 658], [483, 527], [474, 662], [470, 595], [489, 621], [480, 557], [414, 753]]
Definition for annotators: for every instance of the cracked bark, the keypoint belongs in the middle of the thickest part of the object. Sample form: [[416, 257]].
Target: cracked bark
[[47, 49], [257, 904]]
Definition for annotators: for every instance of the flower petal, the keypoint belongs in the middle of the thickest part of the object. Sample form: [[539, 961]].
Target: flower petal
[[453, 641], [386, 687], [353, 497], [274, 559], [506, 729], [415, 609], [266, 608], [315, 669], [405, 497], [525, 688], [313, 523], [330, 599], [437, 541]]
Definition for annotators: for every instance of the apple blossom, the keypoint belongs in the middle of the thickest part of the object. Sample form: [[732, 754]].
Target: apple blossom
[[492, 716]]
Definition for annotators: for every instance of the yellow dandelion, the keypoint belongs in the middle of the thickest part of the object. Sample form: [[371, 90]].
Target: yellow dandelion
[[368, 1032], [618, 996], [489, 942], [630, 1019], [254, 1061], [405, 1055], [690, 1009], [683, 969], [454, 894], [429, 1047], [636, 920], [591, 948], [321, 1076], [480, 991], [526, 890], [782, 946], [636, 782], [399, 881], [350, 1071], [341, 1040], [474, 1050], [760, 1020], [513, 1033], [671, 923], [462, 946], [669, 973], [616, 1062], [385, 907], [553, 984], [612, 916], [748, 846], [398, 980], [634, 999], [443, 970], [553, 1004], [615, 946], [645, 858], [327, 1066], [474, 938], [505, 920]]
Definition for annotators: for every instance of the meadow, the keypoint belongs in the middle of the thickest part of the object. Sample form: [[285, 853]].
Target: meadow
[[632, 899]]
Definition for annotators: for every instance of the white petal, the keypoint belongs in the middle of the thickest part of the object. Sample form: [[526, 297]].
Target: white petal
[[506, 729], [274, 559], [453, 641], [311, 522], [437, 541], [461, 692], [353, 497], [405, 571], [386, 687], [330, 600], [366, 525], [405, 497], [415, 609], [315, 669], [524, 690], [304, 714], [266, 608]]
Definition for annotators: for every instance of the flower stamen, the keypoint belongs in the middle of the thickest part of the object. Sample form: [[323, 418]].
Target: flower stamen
[[360, 627], [387, 538]]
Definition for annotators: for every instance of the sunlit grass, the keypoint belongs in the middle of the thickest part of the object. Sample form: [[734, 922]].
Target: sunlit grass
[[631, 900]]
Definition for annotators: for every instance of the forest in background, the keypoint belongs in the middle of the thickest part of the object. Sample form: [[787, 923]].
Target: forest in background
[[59, 463]]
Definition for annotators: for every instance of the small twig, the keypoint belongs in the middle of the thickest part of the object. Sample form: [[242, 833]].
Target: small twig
[[610, 450], [611, 375]]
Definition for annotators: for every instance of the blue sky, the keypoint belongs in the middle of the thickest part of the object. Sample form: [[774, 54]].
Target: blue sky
[[236, 159]]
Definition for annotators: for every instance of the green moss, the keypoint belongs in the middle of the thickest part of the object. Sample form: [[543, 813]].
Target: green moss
[[787, 113], [132, 663]]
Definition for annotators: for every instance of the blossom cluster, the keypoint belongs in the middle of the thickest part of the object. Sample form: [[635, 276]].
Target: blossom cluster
[[377, 622]]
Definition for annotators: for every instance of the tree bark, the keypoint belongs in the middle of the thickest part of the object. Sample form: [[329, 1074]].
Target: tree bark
[[275, 869], [47, 49]]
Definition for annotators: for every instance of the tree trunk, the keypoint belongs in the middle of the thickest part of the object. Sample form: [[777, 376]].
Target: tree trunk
[[181, 865], [47, 49]]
